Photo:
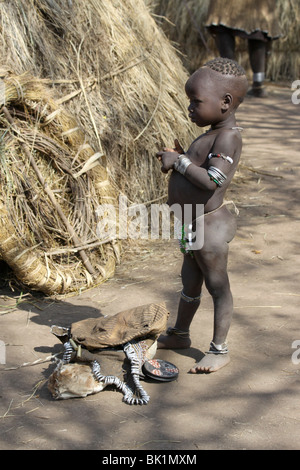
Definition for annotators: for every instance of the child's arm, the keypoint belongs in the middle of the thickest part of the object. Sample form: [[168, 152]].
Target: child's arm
[[222, 161]]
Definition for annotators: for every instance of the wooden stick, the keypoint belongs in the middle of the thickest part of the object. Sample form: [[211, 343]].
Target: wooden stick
[[260, 172], [75, 249], [52, 198]]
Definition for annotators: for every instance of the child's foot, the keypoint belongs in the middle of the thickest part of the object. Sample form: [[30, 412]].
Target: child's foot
[[211, 363], [174, 339]]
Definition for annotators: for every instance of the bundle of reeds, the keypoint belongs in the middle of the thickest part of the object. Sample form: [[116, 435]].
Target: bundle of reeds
[[52, 182], [109, 65], [184, 23]]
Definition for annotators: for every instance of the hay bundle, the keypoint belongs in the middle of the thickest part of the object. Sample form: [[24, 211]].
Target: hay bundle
[[52, 183], [118, 73], [186, 21], [112, 68]]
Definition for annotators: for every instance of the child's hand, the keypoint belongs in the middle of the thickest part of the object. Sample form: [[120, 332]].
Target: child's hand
[[167, 158], [177, 149]]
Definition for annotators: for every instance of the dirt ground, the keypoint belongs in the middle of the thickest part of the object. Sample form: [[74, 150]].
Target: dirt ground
[[253, 403]]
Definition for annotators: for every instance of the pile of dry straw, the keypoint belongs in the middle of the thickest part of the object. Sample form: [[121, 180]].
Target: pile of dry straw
[[184, 23], [89, 92]]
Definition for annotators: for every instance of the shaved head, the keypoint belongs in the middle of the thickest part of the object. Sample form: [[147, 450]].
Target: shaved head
[[226, 76]]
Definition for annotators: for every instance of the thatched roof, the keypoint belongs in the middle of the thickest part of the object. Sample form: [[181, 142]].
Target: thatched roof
[[81, 78], [184, 23]]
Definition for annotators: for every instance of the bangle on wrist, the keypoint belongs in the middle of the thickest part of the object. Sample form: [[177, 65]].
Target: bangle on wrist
[[182, 164]]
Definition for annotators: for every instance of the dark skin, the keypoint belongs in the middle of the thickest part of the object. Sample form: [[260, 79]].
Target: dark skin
[[214, 99], [257, 49]]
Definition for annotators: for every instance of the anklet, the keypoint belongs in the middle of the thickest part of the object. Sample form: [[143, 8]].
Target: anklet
[[259, 77], [190, 299], [217, 348], [175, 331]]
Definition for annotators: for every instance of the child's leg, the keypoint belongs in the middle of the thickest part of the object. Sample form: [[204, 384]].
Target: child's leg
[[192, 280], [212, 259]]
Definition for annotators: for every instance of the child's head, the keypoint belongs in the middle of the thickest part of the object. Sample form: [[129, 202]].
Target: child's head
[[215, 91]]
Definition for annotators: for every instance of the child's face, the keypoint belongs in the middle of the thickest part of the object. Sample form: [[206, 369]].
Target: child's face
[[205, 99]]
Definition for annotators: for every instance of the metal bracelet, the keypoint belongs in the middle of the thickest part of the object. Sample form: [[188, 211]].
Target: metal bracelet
[[182, 164], [259, 77], [216, 175]]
